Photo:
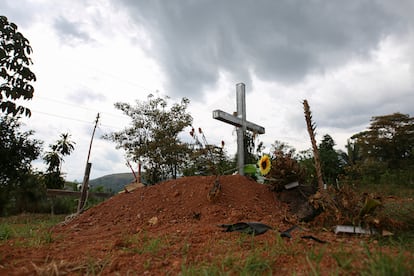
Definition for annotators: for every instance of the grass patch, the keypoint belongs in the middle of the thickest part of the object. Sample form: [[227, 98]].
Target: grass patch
[[6, 231], [380, 264], [244, 255], [253, 263], [141, 243], [91, 266], [32, 229], [314, 258], [344, 259], [256, 264]]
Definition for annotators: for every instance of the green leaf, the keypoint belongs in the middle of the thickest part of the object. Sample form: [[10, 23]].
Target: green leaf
[[250, 168]]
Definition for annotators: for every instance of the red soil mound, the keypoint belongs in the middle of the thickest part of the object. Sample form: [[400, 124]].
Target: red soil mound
[[171, 227], [178, 209]]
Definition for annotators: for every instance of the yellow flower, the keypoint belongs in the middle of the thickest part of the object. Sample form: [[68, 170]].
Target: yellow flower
[[264, 164]]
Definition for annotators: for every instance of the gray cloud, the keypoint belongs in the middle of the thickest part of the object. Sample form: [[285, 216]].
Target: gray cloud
[[85, 95], [70, 32], [282, 41], [14, 12]]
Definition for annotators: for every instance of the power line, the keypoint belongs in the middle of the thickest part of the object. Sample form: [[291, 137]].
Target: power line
[[80, 106], [72, 119]]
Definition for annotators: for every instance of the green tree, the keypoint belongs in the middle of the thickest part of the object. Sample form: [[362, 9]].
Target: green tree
[[306, 161], [389, 140], [54, 160], [351, 160], [15, 74], [331, 160], [17, 151], [152, 138]]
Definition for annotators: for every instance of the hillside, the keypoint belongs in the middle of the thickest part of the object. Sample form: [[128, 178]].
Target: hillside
[[112, 182]]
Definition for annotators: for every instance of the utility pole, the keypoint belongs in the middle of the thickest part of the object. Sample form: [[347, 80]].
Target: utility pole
[[85, 184]]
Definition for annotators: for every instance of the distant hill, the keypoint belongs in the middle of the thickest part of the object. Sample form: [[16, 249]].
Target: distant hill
[[113, 182]]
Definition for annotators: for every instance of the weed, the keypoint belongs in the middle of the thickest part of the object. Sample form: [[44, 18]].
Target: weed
[[96, 267], [140, 243], [186, 248], [255, 264], [282, 247], [229, 261], [314, 257], [6, 232], [381, 264], [147, 264], [208, 270], [343, 259]]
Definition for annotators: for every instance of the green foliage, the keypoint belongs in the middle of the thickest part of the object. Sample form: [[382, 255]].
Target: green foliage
[[17, 151], [63, 205], [54, 160], [29, 194], [6, 231], [152, 138], [388, 140], [15, 75], [382, 264], [252, 152], [314, 259], [383, 154], [206, 159], [331, 163], [252, 155], [30, 229]]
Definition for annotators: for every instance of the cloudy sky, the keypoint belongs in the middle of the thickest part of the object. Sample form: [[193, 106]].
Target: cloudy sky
[[350, 59]]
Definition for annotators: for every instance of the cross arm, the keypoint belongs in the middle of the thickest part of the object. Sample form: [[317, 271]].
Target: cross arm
[[236, 121]]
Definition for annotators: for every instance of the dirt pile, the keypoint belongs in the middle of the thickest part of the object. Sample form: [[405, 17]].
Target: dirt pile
[[178, 205], [178, 209], [172, 228]]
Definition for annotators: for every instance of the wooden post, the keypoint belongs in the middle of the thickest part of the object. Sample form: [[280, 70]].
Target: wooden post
[[85, 184], [85, 187], [139, 172]]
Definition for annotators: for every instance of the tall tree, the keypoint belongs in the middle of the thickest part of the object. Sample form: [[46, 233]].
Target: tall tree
[[54, 160], [330, 159], [152, 138], [15, 74], [388, 140], [17, 151]]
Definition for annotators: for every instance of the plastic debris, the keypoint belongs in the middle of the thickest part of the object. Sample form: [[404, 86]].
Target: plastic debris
[[252, 228]]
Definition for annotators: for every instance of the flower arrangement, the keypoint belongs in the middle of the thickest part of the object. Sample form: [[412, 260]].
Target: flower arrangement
[[259, 170]]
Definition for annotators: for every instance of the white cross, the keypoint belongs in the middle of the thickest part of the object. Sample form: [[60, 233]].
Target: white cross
[[239, 120]]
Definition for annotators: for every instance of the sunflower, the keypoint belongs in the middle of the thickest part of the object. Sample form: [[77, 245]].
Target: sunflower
[[264, 164]]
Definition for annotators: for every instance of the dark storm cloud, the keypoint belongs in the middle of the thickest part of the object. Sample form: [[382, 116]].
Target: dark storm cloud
[[279, 41]]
